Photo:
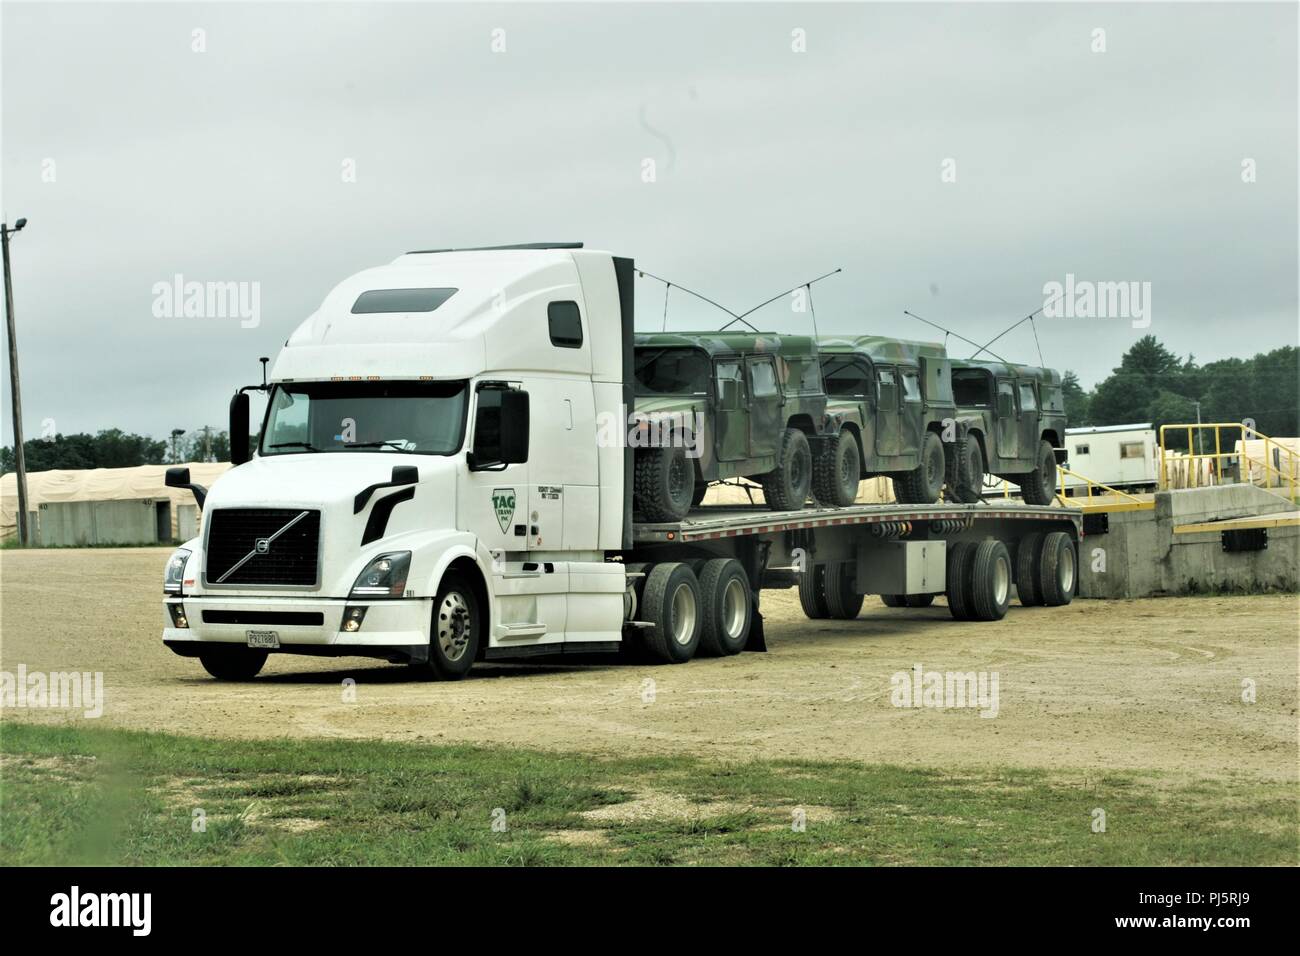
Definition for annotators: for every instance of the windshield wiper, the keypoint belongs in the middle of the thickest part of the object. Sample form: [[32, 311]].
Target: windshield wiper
[[294, 444], [392, 442]]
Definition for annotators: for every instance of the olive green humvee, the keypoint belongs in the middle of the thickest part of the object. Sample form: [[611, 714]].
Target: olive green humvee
[[889, 401], [1010, 423], [716, 405]]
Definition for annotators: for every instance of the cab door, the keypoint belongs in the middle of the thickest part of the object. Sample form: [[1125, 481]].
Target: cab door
[[732, 432], [1004, 407], [888, 433], [493, 503], [766, 423], [910, 415]]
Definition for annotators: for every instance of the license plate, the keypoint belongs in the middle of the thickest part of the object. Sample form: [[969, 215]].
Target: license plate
[[263, 638]]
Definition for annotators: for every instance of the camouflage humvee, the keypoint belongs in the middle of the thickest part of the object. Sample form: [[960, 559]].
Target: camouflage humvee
[[718, 405], [1010, 423], [889, 401]]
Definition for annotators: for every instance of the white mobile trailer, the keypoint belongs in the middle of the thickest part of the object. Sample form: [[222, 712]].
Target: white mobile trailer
[[1125, 457], [443, 477]]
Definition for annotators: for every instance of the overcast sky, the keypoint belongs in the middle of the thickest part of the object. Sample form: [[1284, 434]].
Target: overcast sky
[[136, 158]]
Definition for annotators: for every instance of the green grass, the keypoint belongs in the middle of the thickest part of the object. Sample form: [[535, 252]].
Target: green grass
[[76, 795]]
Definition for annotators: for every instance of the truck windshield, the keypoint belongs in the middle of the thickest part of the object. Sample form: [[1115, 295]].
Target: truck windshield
[[423, 418], [671, 371]]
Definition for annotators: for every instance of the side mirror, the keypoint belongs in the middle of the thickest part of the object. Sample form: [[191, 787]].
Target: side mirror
[[180, 478], [500, 429], [239, 428]]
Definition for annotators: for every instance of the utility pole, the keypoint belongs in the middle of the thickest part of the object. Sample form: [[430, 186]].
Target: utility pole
[[176, 437], [20, 463]]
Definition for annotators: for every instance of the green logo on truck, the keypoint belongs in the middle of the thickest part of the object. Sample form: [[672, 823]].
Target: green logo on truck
[[503, 503]]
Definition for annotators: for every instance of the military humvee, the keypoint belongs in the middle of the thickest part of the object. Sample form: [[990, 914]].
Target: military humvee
[[888, 403], [1010, 423], [717, 405]]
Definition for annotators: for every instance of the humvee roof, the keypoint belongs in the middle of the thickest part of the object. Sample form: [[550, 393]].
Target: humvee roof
[[719, 343], [1048, 375], [882, 348]]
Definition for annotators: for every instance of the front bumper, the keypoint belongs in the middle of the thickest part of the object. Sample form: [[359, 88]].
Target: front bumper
[[304, 626]]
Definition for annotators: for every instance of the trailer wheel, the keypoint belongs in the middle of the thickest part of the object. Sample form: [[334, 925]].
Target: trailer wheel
[[960, 558], [970, 470], [785, 488], [894, 600], [663, 483], [1028, 561], [918, 600], [1039, 486], [1058, 571], [990, 581], [837, 471], [923, 484], [812, 592], [727, 605], [671, 602], [457, 630], [232, 661], [842, 599]]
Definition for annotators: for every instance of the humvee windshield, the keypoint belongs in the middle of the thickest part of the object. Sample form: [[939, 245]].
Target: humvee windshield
[[845, 376], [671, 371]]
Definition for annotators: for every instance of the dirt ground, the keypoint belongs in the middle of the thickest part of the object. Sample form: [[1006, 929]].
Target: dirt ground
[[1099, 685]]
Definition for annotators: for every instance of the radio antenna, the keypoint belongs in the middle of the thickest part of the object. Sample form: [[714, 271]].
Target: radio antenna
[[673, 285], [1030, 319], [954, 334], [802, 285]]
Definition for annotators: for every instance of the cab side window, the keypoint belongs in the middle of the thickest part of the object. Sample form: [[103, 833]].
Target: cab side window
[[565, 323], [727, 376], [762, 379], [1028, 401], [887, 386], [911, 385]]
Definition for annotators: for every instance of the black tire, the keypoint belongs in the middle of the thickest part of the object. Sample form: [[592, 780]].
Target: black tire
[[812, 592], [990, 581], [893, 600], [671, 602], [785, 488], [970, 470], [701, 489], [726, 603], [924, 483], [1058, 569], [842, 599], [918, 600], [961, 557], [1039, 486], [663, 483], [1028, 561], [233, 661], [837, 471], [951, 470], [456, 632]]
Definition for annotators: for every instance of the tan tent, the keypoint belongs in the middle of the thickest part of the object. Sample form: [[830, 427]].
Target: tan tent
[[100, 484]]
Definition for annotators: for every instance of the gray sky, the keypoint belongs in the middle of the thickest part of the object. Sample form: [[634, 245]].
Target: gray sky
[[772, 167]]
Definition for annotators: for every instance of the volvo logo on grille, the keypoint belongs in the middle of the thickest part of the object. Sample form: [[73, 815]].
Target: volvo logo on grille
[[260, 546]]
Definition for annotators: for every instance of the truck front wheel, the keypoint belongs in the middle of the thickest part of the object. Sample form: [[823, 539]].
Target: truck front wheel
[[232, 661], [457, 629]]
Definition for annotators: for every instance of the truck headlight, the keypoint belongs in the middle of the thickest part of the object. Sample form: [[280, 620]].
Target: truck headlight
[[384, 577], [174, 576]]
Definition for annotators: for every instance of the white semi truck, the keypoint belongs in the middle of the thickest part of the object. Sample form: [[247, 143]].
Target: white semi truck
[[444, 476]]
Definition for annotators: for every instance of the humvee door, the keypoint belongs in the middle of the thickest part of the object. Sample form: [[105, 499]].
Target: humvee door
[[766, 424], [1028, 420], [1008, 426], [732, 442], [888, 431], [911, 414]]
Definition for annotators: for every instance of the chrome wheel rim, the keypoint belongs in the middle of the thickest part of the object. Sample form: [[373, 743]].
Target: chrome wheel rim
[[1001, 581], [683, 605], [454, 627], [733, 609], [1066, 575]]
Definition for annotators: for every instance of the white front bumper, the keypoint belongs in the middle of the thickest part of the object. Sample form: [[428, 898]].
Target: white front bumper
[[387, 623]]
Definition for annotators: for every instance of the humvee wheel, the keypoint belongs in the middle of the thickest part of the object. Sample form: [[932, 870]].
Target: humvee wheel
[[1039, 486], [663, 483], [970, 470], [922, 485], [837, 471], [785, 487]]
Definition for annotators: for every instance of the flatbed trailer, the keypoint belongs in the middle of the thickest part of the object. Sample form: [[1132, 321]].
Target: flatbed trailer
[[908, 554]]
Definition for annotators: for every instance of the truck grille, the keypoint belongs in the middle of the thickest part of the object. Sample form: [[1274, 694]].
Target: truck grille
[[279, 556]]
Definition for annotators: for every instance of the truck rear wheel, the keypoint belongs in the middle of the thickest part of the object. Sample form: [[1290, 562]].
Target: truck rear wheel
[[990, 580], [812, 592], [837, 471], [893, 600], [1028, 560], [671, 602], [232, 661], [457, 629], [726, 603], [785, 488], [842, 598], [1039, 486], [970, 470], [1058, 571], [960, 600], [663, 483], [923, 484]]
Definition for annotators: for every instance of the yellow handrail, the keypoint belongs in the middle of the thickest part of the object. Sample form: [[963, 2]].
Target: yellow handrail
[[1063, 472], [1193, 458]]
